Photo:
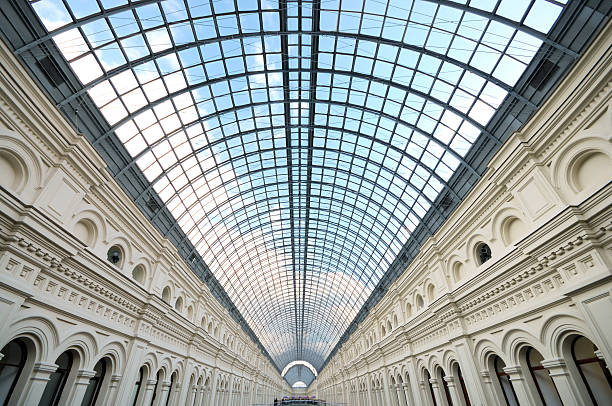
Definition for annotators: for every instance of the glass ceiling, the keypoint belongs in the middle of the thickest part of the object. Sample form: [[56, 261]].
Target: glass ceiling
[[298, 144]]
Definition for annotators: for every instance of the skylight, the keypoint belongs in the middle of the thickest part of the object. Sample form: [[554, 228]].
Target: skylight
[[298, 145]]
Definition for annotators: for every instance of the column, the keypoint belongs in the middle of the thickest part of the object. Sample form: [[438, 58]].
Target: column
[[37, 383], [491, 392], [230, 391], [399, 401], [568, 391], [175, 395], [370, 392], [437, 390], [148, 393], [408, 394], [425, 392], [112, 389], [163, 393], [254, 392], [80, 386], [130, 373], [515, 374], [213, 390], [192, 398], [454, 390], [419, 397], [386, 399], [464, 349]]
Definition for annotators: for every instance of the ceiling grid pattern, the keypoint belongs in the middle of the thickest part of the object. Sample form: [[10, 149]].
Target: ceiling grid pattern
[[298, 144]]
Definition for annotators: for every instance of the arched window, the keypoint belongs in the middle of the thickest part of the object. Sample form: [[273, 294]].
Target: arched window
[[190, 312], [139, 274], [11, 365], [95, 383], [178, 306], [593, 371], [57, 381], [166, 294], [483, 253], [430, 292], [137, 386], [449, 400], [504, 381], [542, 380], [115, 255], [419, 302], [457, 271]]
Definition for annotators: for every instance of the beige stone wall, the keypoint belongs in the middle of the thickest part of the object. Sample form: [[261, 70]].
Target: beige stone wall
[[544, 209], [60, 214]]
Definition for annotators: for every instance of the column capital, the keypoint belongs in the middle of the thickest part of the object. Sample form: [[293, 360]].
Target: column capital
[[514, 370], [85, 374], [45, 367], [450, 380], [115, 378], [151, 382], [553, 363]]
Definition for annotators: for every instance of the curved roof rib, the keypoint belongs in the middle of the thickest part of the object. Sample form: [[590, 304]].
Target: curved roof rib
[[295, 147]]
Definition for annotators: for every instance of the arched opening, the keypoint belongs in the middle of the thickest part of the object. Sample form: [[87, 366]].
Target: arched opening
[[513, 229], [408, 310], [543, 382], [483, 253], [57, 380], [166, 294], [139, 274], [591, 169], [13, 172], [389, 328], [419, 302], [178, 306], [137, 386], [383, 330], [190, 312], [593, 371], [504, 381], [457, 271], [95, 383], [84, 230], [11, 365], [430, 292], [115, 255]]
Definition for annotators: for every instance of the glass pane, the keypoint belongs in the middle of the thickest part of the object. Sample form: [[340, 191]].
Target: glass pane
[[304, 162]]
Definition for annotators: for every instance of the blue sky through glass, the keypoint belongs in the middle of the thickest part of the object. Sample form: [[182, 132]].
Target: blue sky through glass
[[298, 159]]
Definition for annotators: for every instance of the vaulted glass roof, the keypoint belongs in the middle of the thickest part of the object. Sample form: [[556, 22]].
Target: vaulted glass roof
[[298, 144]]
